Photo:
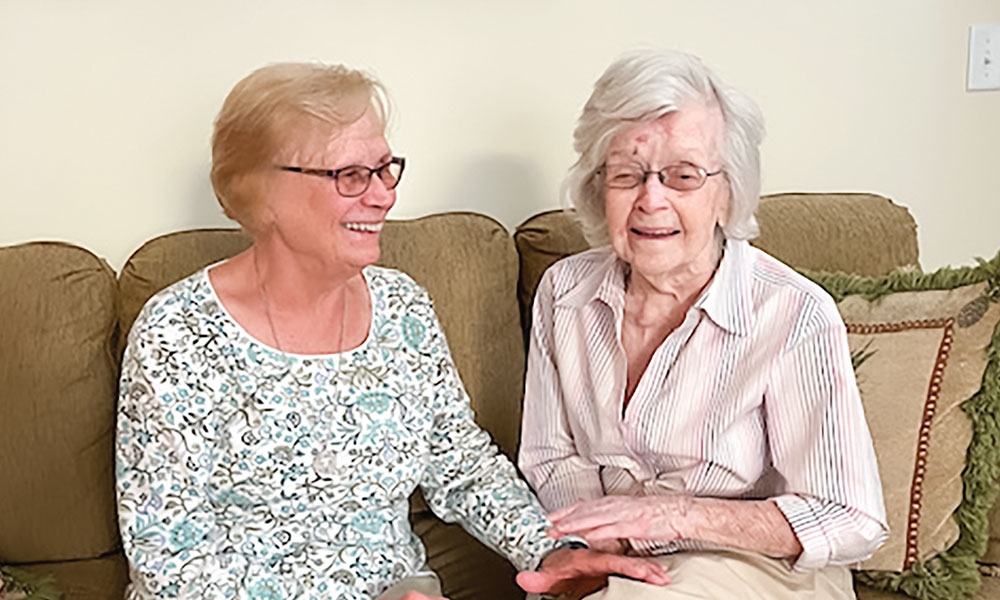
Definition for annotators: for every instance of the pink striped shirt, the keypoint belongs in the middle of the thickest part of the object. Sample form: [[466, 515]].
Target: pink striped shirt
[[752, 396]]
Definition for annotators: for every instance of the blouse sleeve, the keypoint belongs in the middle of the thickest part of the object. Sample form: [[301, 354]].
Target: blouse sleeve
[[167, 526], [548, 456], [468, 480], [821, 446]]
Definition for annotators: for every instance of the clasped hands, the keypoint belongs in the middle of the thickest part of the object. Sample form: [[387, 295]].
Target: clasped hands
[[605, 523]]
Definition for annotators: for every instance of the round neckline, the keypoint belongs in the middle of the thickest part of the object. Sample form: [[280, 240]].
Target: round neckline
[[298, 356]]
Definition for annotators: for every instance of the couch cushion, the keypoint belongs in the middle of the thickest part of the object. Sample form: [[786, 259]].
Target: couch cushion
[[865, 234], [102, 578], [57, 404], [855, 233], [927, 356]]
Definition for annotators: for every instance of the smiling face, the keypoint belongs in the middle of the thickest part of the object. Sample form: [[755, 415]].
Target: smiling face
[[307, 213], [659, 231]]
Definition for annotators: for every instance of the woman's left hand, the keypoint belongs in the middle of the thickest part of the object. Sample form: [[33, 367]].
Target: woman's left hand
[[576, 573], [660, 518]]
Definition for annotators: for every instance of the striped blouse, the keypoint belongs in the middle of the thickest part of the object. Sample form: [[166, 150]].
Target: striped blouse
[[752, 396]]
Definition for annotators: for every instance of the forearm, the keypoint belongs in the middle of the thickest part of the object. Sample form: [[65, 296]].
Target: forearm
[[754, 525]]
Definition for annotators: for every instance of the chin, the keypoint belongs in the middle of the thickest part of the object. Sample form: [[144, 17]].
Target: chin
[[652, 268], [366, 260]]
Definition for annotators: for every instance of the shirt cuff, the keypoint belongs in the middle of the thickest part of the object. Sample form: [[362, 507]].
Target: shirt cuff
[[650, 547], [808, 528]]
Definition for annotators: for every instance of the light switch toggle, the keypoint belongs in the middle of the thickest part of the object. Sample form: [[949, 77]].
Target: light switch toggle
[[984, 57]]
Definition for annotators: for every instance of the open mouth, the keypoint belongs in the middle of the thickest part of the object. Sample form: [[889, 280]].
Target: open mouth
[[653, 234], [365, 227]]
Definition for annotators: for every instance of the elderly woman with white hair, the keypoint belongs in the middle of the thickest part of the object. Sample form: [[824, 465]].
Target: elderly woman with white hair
[[688, 396]]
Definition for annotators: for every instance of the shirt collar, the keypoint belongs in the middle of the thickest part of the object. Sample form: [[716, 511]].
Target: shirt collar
[[726, 300], [605, 283]]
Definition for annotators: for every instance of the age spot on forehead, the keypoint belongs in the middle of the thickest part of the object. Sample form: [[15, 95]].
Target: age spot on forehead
[[639, 139]]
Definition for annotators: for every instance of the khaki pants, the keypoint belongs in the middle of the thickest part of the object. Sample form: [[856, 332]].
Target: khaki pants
[[726, 574], [425, 582]]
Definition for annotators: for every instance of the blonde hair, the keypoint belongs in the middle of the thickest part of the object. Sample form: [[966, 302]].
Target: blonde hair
[[643, 86], [269, 105]]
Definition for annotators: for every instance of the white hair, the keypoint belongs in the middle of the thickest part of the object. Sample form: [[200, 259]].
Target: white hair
[[642, 86]]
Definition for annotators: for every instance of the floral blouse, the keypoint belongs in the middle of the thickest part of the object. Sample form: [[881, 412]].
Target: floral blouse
[[247, 472]]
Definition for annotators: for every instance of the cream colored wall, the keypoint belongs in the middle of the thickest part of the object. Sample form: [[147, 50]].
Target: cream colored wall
[[106, 105]]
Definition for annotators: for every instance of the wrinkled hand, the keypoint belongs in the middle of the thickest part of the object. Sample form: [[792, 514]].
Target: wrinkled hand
[[576, 573], [627, 517]]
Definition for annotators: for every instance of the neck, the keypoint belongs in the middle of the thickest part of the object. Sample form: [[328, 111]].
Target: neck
[[681, 286], [301, 284], [268, 309]]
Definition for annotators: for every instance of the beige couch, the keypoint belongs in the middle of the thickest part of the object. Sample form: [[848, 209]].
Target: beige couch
[[64, 315]]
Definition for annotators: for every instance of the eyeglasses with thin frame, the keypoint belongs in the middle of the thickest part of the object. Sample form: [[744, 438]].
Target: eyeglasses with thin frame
[[683, 176], [353, 180]]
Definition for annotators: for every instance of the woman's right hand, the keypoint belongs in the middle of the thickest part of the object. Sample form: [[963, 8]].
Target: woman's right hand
[[419, 596], [577, 573]]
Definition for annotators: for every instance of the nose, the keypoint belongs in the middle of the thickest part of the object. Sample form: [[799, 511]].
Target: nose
[[653, 195], [377, 196]]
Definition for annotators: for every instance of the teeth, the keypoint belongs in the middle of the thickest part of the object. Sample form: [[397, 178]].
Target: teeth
[[654, 232], [366, 227]]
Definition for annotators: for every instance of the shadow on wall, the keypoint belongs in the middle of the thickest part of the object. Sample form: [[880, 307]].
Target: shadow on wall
[[507, 188], [204, 209]]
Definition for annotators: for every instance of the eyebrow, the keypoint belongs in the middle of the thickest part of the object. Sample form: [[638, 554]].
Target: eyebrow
[[380, 161]]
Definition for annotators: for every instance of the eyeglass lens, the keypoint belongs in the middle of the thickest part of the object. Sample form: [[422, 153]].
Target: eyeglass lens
[[682, 177], [354, 181]]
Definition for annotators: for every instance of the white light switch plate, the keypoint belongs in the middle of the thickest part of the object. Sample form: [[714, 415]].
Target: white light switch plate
[[984, 57]]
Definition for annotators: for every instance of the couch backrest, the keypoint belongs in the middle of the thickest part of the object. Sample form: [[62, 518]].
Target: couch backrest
[[57, 383], [865, 234], [59, 309]]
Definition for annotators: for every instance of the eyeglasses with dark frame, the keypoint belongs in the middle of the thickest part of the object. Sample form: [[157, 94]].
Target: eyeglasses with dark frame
[[353, 180], [683, 176]]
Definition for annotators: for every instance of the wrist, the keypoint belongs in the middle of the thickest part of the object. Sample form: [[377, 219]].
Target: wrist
[[566, 542], [683, 518]]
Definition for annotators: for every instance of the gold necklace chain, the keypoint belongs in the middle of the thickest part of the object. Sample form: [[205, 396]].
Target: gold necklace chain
[[326, 462], [270, 320]]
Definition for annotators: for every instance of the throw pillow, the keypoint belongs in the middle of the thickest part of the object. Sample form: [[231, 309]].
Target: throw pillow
[[926, 351]]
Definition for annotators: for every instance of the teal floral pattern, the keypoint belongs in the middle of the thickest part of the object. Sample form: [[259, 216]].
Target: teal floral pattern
[[245, 472]]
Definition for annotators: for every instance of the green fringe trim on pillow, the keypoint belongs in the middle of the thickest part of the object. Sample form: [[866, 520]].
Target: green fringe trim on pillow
[[841, 285], [953, 574], [19, 584]]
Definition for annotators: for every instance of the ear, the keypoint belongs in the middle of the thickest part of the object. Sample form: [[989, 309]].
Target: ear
[[723, 208]]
